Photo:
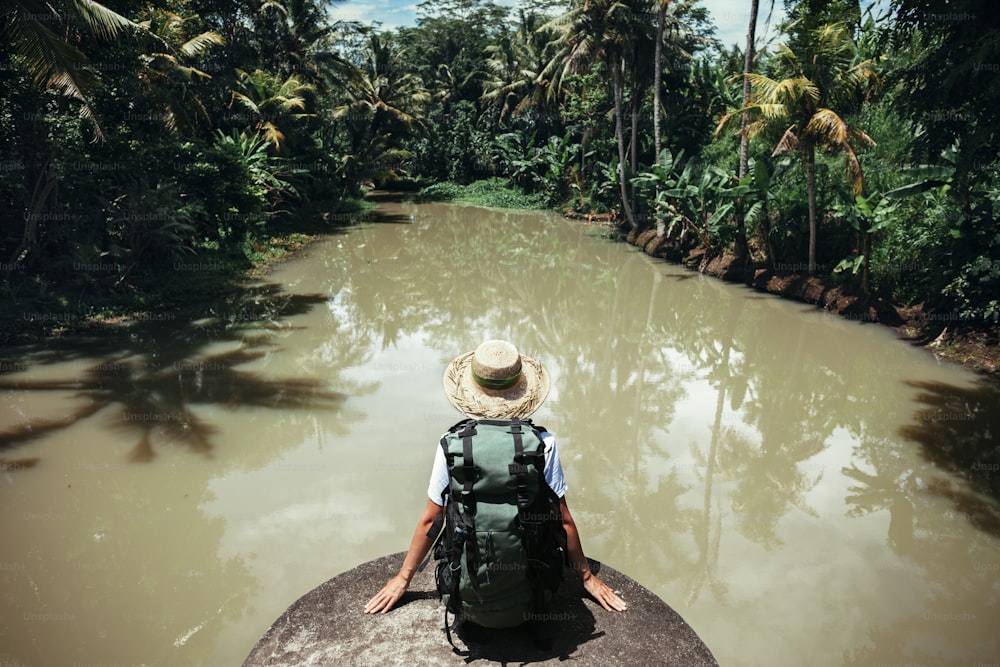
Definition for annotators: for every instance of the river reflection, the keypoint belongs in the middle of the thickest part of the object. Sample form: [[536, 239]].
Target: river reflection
[[786, 480]]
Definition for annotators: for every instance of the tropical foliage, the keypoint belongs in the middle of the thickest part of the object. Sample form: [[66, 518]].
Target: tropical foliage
[[857, 146]]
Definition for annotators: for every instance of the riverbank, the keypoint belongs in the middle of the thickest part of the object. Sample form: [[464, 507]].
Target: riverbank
[[942, 334], [85, 296], [202, 280]]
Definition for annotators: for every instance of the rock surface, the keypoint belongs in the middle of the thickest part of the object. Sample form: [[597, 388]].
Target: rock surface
[[326, 627]]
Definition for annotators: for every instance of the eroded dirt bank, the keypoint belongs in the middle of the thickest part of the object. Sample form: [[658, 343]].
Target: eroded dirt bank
[[941, 334]]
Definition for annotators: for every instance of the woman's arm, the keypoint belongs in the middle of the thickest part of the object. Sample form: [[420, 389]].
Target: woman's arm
[[597, 588], [419, 546]]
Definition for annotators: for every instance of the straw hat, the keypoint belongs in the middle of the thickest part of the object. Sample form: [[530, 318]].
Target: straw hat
[[495, 381]]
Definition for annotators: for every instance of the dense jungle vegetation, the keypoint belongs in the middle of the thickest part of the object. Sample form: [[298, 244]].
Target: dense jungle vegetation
[[154, 149]]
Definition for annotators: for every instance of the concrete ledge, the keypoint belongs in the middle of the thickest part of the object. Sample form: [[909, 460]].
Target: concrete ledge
[[326, 627]]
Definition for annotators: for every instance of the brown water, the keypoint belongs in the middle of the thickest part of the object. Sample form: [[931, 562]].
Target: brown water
[[783, 478]]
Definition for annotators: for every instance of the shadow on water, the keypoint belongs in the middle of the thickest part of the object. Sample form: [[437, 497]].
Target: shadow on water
[[153, 373], [958, 429], [390, 196]]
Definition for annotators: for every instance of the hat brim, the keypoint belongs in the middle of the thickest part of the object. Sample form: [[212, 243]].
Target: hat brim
[[516, 402]]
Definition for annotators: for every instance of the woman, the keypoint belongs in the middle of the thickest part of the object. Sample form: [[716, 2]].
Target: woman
[[494, 382]]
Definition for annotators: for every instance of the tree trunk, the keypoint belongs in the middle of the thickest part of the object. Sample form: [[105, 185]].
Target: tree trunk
[[616, 70], [810, 157], [866, 250], [748, 56], [658, 76], [657, 82], [769, 250], [634, 142]]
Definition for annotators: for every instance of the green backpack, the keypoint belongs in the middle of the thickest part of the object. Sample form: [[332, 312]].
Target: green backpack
[[502, 548]]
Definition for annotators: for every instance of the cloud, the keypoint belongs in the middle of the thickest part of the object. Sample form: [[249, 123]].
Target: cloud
[[391, 15], [732, 17]]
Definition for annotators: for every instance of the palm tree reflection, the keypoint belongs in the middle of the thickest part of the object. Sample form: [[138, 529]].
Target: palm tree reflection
[[153, 376]]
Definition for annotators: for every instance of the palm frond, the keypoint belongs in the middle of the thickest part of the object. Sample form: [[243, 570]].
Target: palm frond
[[100, 20], [272, 135], [201, 44], [246, 102], [828, 127], [788, 142]]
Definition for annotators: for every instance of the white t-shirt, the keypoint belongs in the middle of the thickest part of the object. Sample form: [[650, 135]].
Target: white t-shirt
[[553, 470]]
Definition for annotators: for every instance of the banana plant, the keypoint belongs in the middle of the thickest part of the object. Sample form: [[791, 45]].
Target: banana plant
[[699, 205], [515, 154], [557, 157], [927, 177], [266, 172], [867, 216], [758, 181], [716, 199], [670, 184]]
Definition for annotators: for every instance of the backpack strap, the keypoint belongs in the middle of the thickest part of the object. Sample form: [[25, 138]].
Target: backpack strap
[[518, 468], [467, 519], [452, 534], [522, 460]]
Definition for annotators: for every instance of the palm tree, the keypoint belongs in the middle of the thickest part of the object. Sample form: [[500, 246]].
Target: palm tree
[[375, 88], [378, 103], [301, 31], [163, 67], [38, 35], [276, 103], [666, 17], [828, 74], [519, 69], [600, 31], [748, 58], [661, 19]]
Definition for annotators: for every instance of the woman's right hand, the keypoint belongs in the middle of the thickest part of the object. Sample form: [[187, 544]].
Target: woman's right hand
[[388, 596]]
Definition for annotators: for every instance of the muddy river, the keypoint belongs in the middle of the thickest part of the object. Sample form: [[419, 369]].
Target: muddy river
[[803, 489]]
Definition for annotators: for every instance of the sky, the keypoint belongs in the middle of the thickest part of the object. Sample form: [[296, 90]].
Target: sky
[[730, 16]]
